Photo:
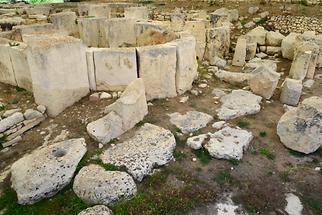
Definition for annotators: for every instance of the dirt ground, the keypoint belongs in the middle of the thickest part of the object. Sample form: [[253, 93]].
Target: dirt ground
[[258, 182]]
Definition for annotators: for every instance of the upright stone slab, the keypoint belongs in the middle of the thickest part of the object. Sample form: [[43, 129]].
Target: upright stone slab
[[157, 68], [115, 68], [91, 68], [218, 42], [58, 71], [291, 91], [187, 64], [99, 10], [300, 65], [251, 46], [65, 21], [21, 30], [92, 31], [240, 52], [314, 48], [260, 34], [288, 45], [19, 58], [7, 75], [136, 12], [120, 32], [197, 28]]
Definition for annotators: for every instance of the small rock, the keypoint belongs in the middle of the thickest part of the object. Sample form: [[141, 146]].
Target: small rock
[[184, 99], [94, 97], [32, 114], [10, 112], [97, 210], [219, 125], [105, 95], [42, 109], [294, 205]]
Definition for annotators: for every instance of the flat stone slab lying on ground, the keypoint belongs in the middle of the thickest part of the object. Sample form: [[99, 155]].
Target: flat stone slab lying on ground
[[300, 128], [227, 143], [97, 210], [151, 146], [46, 171], [94, 185], [191, 121], [239, 103], [294, 205]]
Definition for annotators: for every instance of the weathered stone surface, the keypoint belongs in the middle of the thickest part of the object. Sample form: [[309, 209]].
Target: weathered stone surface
[[273, 50], [151, 146], [233, 77], [122, 115], [18, 56], [257, 62], [294, 205], [106, 128], [274, 38], [32, 114], [238, 103], [251, 46], [120, 32], [94, 185], [240, 52], [7, 75], [92, 31], [187, 64], [218, 40], [291, 91], [253, 10], [191, 121], [315, 50], [288, 45], [228, 143], [197, 28], [300, 65], [131, 106], [197, 142], [300, 129], [260, 34], [65, 21], [21, 30], [136, 12], [10, 121], [46, 171], [97, 210], [58, 70], [10, 112], [264, 81], [115, 68], [157, 68]]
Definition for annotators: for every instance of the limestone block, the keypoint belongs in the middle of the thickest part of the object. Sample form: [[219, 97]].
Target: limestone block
[[260, 34], [19, 58], [58, 71], [264, 81], [120, 32], [47, 170], [65, 21], [38, 10], [7, 75], [187, 64], [300, 128], [240, 52], [136, 12], [198, 30], [291, 91], [115, 68], [288, 45], [100, 10], [157, 68], [132, 105], [91, 69], [251, 46], [218, 42], [92, 31], [274, 38], [21, 30], [300, 65], [315, 50]]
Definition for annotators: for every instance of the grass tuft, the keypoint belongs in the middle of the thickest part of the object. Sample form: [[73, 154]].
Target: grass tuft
[[267, 153], [243, 124], [223, 177], [203, 156]]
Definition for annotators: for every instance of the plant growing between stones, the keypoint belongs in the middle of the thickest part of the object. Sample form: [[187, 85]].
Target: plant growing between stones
[[267, 153], [203, 156], [223, 177]]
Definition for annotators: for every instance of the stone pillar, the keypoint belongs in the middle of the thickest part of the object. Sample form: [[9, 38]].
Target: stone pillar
[[240, 52]]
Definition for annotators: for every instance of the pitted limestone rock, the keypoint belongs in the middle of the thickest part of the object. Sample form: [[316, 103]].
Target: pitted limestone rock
[[97, 210], [191, 121], [151, 146], [239, 103], [300, 128], [94, 185], [46, 171]]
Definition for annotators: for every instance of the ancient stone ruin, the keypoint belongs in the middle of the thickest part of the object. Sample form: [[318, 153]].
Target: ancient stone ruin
[[132, 107]]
